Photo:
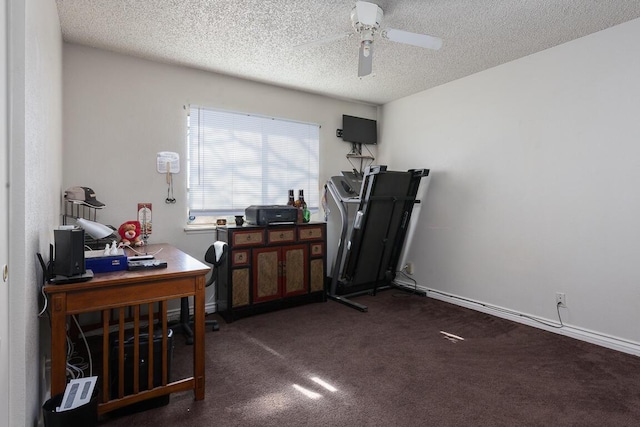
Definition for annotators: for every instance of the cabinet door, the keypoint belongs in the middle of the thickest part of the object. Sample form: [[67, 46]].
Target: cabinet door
[[294, 270], [240, 278], [316, 275], [267, 269], [239, 287]]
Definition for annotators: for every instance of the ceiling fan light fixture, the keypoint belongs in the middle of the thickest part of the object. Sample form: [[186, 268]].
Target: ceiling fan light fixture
[[366, 47], [366, 16]]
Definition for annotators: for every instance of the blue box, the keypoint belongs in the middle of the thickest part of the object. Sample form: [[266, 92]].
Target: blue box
[[104, 264]]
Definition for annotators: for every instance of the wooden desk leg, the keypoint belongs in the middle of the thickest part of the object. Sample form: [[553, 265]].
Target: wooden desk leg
[[198, 334], [58, 344]]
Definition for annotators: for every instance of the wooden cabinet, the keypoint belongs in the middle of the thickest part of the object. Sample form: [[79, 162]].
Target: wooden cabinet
[[271, 267]]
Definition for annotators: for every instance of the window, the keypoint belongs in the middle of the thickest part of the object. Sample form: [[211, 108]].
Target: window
[[238, 160]]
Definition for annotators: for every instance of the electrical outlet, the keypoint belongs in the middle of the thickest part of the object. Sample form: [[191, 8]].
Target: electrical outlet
[[409, 268], [561, 299]]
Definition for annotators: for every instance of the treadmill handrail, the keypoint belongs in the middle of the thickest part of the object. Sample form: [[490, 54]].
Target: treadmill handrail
[[345, 221]]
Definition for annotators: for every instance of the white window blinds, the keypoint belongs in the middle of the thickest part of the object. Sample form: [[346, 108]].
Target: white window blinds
[[238, 160]]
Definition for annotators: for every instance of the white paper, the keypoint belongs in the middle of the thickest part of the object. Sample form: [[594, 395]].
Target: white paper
[[168, 161], [77, 393]]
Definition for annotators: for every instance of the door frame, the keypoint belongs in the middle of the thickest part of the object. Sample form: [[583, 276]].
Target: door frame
[[4, 217]]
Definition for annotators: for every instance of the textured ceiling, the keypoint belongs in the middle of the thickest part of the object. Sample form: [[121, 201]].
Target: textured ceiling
[[255, 39]]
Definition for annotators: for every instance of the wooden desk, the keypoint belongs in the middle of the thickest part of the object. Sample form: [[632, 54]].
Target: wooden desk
[[132, 290]]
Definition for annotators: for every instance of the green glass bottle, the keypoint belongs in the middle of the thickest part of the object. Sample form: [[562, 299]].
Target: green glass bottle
[[306, 214]]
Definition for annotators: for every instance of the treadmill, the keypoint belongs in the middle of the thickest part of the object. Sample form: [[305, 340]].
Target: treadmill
[[373, 234]]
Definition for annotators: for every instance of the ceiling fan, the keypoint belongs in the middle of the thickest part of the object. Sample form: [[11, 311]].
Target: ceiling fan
[[366, 19]]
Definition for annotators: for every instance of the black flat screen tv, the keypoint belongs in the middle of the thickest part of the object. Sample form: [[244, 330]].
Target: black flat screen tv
[[358, 130]]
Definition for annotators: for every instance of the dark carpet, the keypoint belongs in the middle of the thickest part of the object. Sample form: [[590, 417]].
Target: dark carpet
[[393, 366]]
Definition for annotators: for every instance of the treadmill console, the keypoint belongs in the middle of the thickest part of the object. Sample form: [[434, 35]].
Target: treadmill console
[[354, 179], [348, 185]]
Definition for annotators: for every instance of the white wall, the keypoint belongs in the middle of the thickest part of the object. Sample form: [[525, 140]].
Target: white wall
[[35, 147], [119, 111], [535, 172]]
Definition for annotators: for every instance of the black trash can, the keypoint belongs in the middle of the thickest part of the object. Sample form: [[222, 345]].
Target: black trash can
[[82, 416]]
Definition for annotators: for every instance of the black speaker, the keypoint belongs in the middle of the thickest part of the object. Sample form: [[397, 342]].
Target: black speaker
[[69, 247]]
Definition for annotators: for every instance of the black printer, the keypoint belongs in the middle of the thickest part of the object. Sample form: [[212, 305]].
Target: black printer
[[270, 214]]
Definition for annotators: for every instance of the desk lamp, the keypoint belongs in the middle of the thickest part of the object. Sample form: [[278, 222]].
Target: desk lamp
[[95, 229]]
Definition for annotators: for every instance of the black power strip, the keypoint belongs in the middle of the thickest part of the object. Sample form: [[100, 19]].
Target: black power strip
[[146, 264]]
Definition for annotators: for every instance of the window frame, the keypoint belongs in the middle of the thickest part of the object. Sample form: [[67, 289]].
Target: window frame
[[209, 215]]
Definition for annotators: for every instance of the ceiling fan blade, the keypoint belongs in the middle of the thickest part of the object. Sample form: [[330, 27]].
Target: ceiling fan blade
[[415, 39], [365, 59], [324, 40], [367, 12]]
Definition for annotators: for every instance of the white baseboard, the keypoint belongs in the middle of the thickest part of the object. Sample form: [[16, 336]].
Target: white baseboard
[[592, 337]]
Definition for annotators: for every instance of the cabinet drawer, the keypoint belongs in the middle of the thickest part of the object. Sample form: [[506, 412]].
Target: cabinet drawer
[[281, 236], [317, 249], [246, 238], [310, 233], [240, 258]]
